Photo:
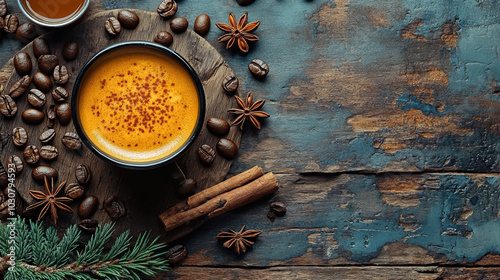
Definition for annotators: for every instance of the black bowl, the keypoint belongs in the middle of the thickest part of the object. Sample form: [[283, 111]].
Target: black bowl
[[130, 164]]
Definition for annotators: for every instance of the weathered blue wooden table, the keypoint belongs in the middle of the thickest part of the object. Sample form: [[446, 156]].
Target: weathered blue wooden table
[[383, 136]]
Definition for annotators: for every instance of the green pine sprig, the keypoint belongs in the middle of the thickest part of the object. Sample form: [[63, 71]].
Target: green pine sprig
[[41, 255]]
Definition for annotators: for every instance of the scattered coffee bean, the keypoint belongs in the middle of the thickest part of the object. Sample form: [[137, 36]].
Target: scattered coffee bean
[[245, 2], [11, 23], [61, 74], [42, 81], [26, 32], [128, 19], [20, 86], [8, 106], [167, 8], [227, 148], [114, 207], [206, 153], [51, 116], [176, 254], [70, 50], [32, 116], [88, 225], [60, 94], [71, 141], [4, 178], [230, 83], [202, 24], [179, 24], [87, 207], [271, 216], [258, 67], [188, 187], [164, 38], [15, 163], [40, 47], [63, 113], [3, 8], [48, 152], [278, 208], [36, 98], [19, 136], [31, 154], [218, 126], [47, 63], [74, 191], [44, 171], [22, 63], [113, 26], [47, 136], [83, 174]]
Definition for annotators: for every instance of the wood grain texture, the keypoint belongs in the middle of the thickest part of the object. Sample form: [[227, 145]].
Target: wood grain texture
[[146, 194]]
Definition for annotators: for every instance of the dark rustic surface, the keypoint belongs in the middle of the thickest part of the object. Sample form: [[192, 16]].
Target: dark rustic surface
[[384, 135]]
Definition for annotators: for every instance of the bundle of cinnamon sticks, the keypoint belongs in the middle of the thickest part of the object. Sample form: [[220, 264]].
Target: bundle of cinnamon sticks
[[230, 194]]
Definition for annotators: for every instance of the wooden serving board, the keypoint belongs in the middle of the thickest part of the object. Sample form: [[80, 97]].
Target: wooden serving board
[[145, 193]]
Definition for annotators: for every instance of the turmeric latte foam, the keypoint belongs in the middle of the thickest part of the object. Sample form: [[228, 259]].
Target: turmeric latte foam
[[138, 104]]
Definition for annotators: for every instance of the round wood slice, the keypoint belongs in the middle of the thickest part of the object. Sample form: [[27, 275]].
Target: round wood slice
[[145, 194]]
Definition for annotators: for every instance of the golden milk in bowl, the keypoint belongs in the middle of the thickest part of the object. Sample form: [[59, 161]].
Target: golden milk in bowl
[[138, 105]]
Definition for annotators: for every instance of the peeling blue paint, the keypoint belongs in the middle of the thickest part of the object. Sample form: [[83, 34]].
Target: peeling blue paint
[[411, 102]]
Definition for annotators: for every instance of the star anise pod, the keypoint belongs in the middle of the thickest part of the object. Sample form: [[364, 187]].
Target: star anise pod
[[240, 240], [238, 31], [50, 200], [248, 110]]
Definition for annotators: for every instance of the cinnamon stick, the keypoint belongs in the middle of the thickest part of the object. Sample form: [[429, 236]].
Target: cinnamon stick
[[222, 203]]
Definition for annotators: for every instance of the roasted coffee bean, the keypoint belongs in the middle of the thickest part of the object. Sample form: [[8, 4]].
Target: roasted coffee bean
[[48, 152], [167, 8], [51, 116], [36, 98], [32, 116], [72, 141], [188, 187], [26, 32], [83, 174], [22, 63], [206, 153], [74, 191], [218, 126], [61, 74], [128, 19], [47, 63], [179, 24], [227, 148], [4, 178], [70, 50], [8, 106], [87, 207], [44, 171], [114, 207], [164, 38], [113, 26], [258, 67], [14, 162], [3, 8], [176, 254], [88, 225], [42, 81], [177, 176], [19, 136], [47, 136], [63, 113], [271, 216], [278, 208], [40, 47], [31, 154], [20, 86], [60, 94], [230, 83], [202, 24], [245, 2], [11, 23]]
